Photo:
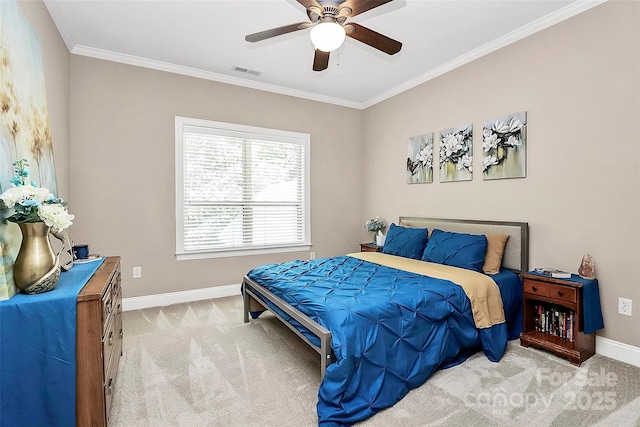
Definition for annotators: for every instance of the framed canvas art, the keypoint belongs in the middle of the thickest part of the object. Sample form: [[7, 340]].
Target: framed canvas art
[[24, 124], [504, 147], [420, 159], [456, 154]]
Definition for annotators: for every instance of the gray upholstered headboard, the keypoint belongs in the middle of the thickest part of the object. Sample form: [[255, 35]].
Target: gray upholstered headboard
[[516, 254]]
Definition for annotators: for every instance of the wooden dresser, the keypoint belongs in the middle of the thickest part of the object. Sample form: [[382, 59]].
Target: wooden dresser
[[99, 344]]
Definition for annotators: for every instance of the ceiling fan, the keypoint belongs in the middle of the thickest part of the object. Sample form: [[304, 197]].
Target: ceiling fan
[[328, 28]]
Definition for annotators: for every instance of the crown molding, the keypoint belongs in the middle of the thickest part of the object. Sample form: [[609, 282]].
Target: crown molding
[[545, 22], [207, 75], [536, 26]]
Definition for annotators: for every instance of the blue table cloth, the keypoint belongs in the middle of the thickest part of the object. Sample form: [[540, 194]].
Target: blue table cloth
[[38, 353], [591, 309]]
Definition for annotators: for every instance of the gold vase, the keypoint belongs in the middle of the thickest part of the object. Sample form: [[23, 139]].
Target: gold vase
[[37, 268]]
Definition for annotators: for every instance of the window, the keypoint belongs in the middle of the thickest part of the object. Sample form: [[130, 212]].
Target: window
[[240, 190]]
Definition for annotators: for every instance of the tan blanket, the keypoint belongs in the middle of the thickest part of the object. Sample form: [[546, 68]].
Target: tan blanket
[[482, 291]]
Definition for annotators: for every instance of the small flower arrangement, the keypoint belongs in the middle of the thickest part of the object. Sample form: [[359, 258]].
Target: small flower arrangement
[[32, 203], [374, 225]]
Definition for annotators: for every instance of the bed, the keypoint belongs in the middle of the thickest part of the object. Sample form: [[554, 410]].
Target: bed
[[382, 323]]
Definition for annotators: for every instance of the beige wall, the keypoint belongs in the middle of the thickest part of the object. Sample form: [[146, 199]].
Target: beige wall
[[55, 59], [122, 163], [579, 83]]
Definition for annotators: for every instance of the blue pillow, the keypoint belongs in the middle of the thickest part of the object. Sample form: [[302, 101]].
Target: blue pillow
[[456, 249], [405, 242]]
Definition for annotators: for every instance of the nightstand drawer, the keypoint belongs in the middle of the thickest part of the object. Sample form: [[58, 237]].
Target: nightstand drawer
[[536, 288], [564, 293], [550, 290], [370, 247]]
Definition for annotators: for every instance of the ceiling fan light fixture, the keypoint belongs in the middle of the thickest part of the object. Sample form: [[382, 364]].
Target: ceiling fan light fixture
[[327, 36]]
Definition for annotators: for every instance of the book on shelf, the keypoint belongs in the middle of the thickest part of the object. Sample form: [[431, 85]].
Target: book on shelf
[[552, 272], [554, 320]]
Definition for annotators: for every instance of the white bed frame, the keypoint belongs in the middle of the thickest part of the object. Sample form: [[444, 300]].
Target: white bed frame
[[516, 258]]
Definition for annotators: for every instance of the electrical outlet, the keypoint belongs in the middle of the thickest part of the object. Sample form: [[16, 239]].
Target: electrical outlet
[[312, 255], [624, 306], [137, 272]]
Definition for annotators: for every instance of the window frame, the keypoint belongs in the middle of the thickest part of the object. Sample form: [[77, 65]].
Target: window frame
[[245, 132]]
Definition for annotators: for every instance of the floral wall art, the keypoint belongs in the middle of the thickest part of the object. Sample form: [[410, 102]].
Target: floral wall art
[[456, 154], [420, 159], [504, 147], [24, 124]]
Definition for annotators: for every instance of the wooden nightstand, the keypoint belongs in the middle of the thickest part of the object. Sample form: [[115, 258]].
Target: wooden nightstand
[[553, 317], [370, 247]]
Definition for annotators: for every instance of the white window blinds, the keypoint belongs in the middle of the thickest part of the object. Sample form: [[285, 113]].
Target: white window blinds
[[240, 188]]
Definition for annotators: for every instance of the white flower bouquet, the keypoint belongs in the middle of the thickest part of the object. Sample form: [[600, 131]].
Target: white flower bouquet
[[374, 226], [32, 203]]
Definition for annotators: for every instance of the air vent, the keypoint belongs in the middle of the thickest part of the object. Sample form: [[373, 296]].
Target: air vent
[[247, 71]]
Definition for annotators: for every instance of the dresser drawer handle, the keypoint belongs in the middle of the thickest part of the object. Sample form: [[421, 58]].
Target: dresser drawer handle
[[560, 293], [533, 288]]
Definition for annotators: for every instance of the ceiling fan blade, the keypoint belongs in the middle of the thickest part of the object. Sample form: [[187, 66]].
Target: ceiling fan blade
[[373, 39], [308, 3], [359, 6], [262, 35], [320, 60]]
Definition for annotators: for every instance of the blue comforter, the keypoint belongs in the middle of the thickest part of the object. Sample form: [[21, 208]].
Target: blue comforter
[[390, 329]]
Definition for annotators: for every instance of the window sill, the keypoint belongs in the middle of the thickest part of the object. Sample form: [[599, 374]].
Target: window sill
[[240, 252]]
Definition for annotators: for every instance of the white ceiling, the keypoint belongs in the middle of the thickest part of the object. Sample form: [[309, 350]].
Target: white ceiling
[[206, 39]]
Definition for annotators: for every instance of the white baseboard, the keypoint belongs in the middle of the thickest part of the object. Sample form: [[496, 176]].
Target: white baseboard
[[161, 300], [617, 350], [604, 346]]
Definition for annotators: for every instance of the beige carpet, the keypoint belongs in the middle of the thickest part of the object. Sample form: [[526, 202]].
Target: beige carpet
[[197, 364]]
